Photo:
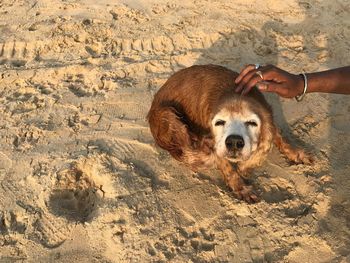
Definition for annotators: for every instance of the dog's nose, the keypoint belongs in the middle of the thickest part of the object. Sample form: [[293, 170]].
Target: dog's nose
[[234, 142]]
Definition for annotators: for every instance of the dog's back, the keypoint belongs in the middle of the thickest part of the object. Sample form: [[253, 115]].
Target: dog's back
[[182, 109], [196, 92]]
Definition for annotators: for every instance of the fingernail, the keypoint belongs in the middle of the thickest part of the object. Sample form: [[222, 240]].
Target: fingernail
[[261, 86]]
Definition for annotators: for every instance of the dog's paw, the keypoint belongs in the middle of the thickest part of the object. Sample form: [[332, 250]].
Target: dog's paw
[[242, 191], [247, 194], [302, 157]]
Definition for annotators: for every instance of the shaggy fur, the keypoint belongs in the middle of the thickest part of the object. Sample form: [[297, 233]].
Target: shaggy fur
[[181, 117]]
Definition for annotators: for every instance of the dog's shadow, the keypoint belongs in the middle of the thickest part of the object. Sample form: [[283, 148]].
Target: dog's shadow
[[228, 51], [268, 188]]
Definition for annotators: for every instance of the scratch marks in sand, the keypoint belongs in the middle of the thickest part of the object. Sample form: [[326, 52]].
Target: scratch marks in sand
[[128, 110], [18, 53], [51, 231], [32, 54]]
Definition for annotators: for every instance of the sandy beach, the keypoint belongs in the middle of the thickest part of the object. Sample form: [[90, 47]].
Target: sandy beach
[[81, 179]]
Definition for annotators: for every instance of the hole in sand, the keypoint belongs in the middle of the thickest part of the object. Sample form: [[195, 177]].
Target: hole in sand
[[75, 196]]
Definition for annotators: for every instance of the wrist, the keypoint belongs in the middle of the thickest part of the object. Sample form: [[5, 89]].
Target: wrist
[[300, 83], [305, 87]]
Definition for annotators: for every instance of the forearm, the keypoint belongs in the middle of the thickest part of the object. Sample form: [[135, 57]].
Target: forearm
[[330, 81]]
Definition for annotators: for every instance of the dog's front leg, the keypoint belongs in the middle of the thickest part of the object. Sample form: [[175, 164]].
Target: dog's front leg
[[293, 154], [235, 182]]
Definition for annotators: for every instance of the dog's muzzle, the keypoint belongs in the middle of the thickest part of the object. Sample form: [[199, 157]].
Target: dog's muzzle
[[234, 144]]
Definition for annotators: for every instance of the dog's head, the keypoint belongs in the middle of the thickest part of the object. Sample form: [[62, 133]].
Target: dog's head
[[241, 127]]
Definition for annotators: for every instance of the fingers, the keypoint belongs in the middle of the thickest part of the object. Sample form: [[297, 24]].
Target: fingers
[[271, 79], [268, 86], [248, 77], [244, 72], [249, 80], [253, 81]]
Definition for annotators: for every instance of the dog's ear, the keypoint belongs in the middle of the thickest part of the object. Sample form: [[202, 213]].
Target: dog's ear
[[169, 131], [264, 145], [207, 144], [210, 119], [266, 133]]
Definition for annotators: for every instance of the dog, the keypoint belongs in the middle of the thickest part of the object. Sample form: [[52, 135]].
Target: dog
[[198, 118]]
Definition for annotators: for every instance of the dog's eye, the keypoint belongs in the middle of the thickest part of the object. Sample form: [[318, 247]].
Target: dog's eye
[[220, 123], [251, 123]]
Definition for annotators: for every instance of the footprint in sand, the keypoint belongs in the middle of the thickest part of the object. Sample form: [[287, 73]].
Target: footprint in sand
[[76, 195]]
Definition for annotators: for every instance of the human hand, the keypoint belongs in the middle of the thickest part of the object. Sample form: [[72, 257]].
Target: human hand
[[271, 79]]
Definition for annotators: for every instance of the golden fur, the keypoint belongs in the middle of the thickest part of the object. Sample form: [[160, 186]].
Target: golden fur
[[180, 121]]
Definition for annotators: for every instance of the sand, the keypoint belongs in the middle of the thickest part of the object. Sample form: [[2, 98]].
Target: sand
[[80, 177]]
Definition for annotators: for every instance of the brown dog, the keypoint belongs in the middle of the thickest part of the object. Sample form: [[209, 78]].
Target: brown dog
[[202, 122]]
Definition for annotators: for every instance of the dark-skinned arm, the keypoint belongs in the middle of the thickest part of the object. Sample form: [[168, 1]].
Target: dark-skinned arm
[[290, 85]]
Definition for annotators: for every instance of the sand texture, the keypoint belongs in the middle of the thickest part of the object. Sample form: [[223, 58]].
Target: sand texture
[[80, 177]]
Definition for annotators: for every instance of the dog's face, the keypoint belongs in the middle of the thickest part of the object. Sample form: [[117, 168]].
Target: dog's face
[[236, 132]]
